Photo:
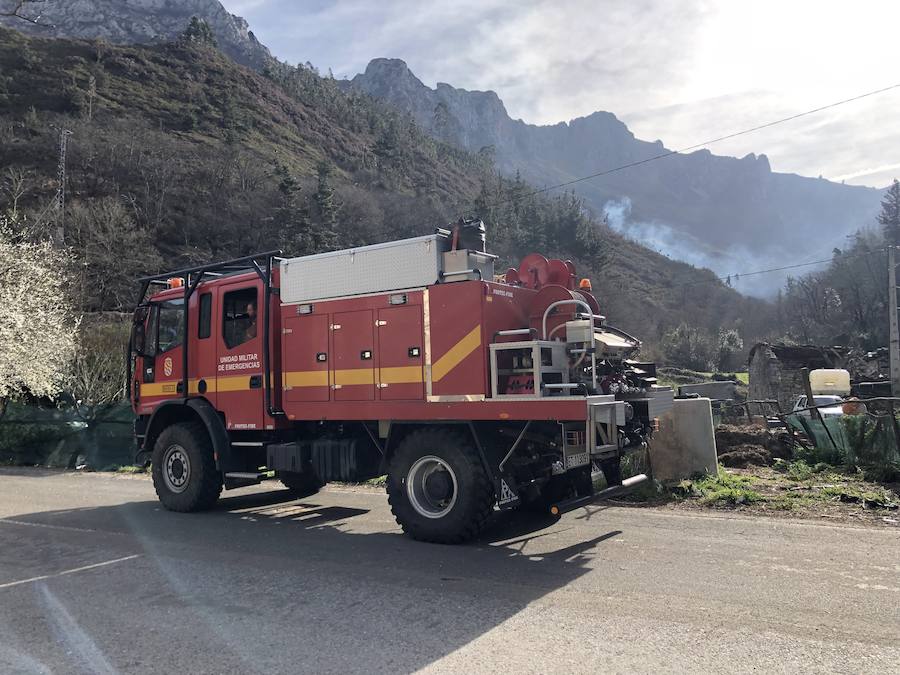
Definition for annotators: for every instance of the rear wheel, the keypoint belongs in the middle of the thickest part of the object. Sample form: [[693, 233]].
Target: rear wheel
[[301, 484], [437, 487], [184, 470]]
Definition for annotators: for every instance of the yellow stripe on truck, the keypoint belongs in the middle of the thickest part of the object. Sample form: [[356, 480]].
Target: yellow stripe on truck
[[213, 384], [348, 377], [353, 376], [456, 354], [400, 375], [306, 378]]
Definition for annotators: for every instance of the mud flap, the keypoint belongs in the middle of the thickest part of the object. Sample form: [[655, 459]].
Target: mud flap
[[507, 493]]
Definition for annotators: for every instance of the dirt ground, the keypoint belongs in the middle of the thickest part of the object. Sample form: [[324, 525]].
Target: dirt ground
[[829, 495], [761, 474]]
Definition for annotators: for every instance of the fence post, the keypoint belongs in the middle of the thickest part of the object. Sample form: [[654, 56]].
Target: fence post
[[895, 426]]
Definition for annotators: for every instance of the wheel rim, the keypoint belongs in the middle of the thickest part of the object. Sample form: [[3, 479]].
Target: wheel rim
[[176, 468], [431, 487]]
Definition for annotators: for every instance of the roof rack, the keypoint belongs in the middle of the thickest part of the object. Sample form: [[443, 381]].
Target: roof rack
[[234, 265]]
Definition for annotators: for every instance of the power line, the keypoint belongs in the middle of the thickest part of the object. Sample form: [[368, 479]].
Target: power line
[[699, 145]]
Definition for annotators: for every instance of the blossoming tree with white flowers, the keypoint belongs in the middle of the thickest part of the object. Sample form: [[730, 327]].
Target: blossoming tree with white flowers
[[38, 325]]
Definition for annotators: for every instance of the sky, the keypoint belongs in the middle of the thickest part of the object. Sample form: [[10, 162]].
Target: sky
[[681, 71]]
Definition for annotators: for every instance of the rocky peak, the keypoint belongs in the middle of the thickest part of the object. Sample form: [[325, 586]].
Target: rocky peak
[[143, 21]]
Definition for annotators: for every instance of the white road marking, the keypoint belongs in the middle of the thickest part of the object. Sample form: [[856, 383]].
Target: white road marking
[[49, 526], [71, 571]]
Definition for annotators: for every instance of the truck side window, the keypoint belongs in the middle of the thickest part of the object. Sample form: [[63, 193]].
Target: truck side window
[[171, 324], [151, 330], [204, 325], [239, 317]]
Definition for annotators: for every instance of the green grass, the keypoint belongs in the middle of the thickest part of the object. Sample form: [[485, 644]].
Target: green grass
[[800, 470], [870, 498], [130, 469], [722, 489], [378, 481]]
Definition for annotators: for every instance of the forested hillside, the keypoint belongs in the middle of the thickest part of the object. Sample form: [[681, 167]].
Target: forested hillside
[[177, 155]]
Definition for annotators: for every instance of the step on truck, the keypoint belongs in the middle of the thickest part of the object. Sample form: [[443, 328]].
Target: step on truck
[[470, 390]]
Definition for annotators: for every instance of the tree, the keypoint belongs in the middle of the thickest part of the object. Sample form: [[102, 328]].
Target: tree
[[112, 251], [37, 333], [889, 218], [97, 377], [843, 304], [327, 235], [292, 221], [687, 347], [15, 186], [730, 342], [198, 32]]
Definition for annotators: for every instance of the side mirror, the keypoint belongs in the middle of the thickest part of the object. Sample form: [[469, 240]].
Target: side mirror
[[139, 339], [139, 331]]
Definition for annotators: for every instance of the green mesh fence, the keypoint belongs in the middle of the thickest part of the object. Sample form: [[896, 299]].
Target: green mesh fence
[[863, 440], [59, 437]]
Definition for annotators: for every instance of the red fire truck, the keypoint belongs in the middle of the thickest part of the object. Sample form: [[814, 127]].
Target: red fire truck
[[470, 390]]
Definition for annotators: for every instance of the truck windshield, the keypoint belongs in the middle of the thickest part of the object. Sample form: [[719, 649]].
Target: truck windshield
[[171, 322]]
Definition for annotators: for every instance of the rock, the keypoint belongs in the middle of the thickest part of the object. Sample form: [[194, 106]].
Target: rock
[[143, 21]]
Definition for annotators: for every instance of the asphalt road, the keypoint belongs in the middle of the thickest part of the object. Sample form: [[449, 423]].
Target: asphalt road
[[96, 577]]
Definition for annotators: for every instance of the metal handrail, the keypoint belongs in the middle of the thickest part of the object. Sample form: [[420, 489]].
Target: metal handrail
[[593, 350]]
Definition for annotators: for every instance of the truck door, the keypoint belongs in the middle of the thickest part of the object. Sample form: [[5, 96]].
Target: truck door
[[169, 346], [239, 371], [160, 368], [353, 351], [400, 353], [204, 357], [305, 358]]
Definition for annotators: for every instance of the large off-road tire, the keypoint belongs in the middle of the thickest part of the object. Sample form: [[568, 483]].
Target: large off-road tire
[[300, 484], [438, 488], [184, 468]]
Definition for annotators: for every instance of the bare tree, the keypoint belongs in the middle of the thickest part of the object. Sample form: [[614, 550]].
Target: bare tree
[[97, 381], [15, 186], [112, 251]]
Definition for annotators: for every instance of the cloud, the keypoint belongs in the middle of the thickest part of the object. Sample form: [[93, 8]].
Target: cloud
[[681, 71]]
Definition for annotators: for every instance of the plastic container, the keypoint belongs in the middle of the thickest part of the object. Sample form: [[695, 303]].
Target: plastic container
[[830, 381]]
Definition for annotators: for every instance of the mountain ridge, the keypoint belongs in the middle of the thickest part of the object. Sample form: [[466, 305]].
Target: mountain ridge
[[716, 211]]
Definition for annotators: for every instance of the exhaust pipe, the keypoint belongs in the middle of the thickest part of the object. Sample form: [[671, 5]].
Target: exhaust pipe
[[628, 485]]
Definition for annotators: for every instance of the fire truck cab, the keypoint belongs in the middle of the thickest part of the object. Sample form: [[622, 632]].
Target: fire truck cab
[[470, 390]]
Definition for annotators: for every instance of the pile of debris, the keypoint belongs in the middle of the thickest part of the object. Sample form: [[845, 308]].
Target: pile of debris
[[746, 445]]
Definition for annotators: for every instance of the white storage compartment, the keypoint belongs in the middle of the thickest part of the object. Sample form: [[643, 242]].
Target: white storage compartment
[[395, 265], [830, 381]]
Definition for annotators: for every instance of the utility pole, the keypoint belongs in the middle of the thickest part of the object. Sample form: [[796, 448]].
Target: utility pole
[[61, 190], [895, 332]]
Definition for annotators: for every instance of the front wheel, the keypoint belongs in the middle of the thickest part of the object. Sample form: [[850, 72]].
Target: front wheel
[[437, 487], [184, 469]]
